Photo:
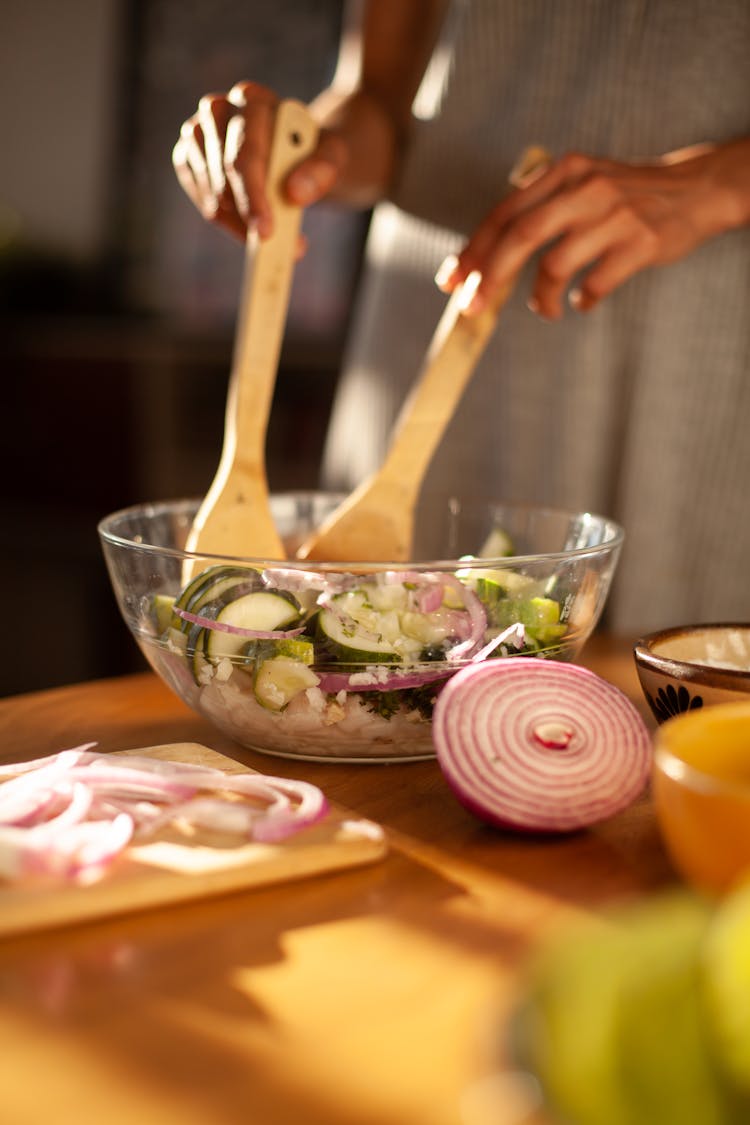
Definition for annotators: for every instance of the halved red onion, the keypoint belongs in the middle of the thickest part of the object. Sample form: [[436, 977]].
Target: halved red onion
[[538, 745], [238, 630]]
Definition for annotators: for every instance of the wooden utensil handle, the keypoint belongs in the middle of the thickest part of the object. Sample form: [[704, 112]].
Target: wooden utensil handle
[[455, 350], [269, 266]]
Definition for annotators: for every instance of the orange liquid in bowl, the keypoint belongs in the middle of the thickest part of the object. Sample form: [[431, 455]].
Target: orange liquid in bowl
[[701, 792]]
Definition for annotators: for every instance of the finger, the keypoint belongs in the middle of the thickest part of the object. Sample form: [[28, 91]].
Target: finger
[[584, 206], [184, 172], [246, 154], [189, 160], [316, 176], [612, 270], [559, 178], [214, 111], [574, 252], [190, 166]]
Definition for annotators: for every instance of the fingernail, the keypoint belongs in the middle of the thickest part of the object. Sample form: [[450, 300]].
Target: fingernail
[[575, 299], [446, 271], [469, 300], [533, 306]]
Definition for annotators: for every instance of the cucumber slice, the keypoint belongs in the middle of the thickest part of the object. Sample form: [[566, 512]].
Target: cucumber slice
[[354, 631], [212, 585], [295, 648], [279, 679], [162, 613], [264, 610], [497, 545], [492, 585], [196, 654], [238, 581], [195, 584]]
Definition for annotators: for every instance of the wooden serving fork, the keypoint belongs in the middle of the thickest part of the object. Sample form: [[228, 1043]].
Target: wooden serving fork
[[375, 523], [235, 518]]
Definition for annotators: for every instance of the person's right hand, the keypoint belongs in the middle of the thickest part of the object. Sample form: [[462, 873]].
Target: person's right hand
[[221, 160]]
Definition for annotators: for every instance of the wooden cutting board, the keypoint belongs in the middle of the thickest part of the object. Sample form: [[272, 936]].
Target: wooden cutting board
[[171, 868]]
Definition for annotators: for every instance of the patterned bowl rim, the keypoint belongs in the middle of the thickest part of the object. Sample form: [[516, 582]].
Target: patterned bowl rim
[[708, 675]]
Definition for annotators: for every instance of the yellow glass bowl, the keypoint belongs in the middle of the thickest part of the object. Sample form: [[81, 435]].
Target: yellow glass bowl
[[701, 793]]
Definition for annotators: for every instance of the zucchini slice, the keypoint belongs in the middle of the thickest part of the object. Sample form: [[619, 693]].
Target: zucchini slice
[[279, 679], [261, 610]]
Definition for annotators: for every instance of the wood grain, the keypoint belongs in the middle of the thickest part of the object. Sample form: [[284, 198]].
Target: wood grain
[[171, 867], [378, 995]]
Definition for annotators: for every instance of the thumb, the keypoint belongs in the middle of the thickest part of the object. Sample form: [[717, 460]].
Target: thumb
[[314, 177]]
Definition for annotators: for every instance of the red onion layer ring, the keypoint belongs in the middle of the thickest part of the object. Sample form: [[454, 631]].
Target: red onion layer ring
[[238, 630], [70, 814], [540, 746]]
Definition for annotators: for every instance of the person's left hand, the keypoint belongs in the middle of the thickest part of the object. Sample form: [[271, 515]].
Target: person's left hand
[[599, 222]]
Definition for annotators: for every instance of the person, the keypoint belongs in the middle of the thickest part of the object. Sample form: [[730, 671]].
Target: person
[[617, 376]]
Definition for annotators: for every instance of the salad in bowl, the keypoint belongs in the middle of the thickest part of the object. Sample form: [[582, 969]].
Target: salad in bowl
[[323, 660]]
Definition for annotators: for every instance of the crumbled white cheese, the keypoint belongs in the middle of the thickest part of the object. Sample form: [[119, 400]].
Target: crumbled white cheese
[[362, 679], [316, 699], [223, 670]]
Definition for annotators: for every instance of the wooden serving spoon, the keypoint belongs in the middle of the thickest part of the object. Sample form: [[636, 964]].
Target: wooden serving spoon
[[235, 516], [375, 523]]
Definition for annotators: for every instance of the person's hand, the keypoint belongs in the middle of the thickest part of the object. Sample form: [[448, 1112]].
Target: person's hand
[[598, 222], [221, 160]]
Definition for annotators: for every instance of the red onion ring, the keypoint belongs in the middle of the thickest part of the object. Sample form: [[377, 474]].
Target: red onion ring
[[538, 745], [239, 630], [477, 616], [331, 683], [98, 801]]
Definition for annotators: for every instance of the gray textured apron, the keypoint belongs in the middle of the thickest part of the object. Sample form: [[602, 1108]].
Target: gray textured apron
[[640, 409]]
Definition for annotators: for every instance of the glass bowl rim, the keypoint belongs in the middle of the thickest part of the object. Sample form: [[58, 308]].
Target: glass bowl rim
[[154, 508]]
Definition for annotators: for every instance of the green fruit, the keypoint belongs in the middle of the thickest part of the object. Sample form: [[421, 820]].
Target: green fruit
[[565, 1032], [614, 1025], [726, 984], [665, 1059]]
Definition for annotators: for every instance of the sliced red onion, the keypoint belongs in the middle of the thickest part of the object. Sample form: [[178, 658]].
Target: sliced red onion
[[300, 581], [331, 683], [238, 630], [514, 637], [477, 616], [538, 745], [61, 760], [69, 814], [429, 598]]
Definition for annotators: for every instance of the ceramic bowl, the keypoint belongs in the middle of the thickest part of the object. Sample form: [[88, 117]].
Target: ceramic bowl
[[345, 660], [693, 666], [701, 793]]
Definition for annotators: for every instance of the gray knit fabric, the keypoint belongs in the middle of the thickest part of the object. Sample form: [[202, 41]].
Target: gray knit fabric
[[640, 409]]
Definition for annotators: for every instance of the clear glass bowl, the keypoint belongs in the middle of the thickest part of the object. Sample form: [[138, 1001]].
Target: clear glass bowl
[[344, 660]]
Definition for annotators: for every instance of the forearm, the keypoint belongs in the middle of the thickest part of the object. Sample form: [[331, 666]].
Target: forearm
[[723, 193], [369, 102]]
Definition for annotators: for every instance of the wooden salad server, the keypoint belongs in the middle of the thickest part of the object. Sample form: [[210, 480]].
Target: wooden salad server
[[235, 516], [375, 523]]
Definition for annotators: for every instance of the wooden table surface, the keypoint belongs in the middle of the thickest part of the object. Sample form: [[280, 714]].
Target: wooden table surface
[[374, 996]]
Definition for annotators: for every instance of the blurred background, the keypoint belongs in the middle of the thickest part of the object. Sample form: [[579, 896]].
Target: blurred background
[[118, 303]]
